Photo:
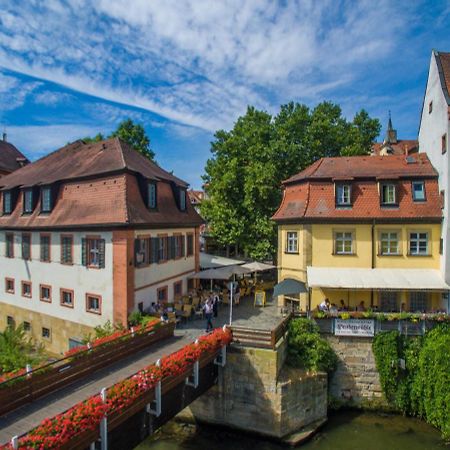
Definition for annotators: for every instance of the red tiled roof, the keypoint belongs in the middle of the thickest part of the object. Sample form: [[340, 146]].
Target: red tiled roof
[[310, 195], [79, 160], [196, 196], [443, 60], [11, 158], [393, 166], [402, 147]]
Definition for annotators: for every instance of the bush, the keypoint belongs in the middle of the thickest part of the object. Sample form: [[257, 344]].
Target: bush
[[307, 349]]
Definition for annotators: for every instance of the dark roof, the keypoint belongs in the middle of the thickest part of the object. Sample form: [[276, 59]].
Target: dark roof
[[11, 158], [389, 166], [443, 63], [80, 160]]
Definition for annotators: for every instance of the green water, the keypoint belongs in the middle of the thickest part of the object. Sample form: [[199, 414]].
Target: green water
[[344, 431]]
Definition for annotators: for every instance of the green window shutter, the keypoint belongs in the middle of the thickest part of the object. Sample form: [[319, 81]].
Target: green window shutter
[[101, 256], [148, 246], [136, 251], [171, 247], [83, 252], [183, 245], [154, 250]]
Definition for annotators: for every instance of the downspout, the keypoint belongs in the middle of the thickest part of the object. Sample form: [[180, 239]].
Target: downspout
[[373, 258]]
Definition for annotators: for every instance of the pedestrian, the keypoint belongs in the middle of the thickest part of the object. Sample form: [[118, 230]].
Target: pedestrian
[[208, 308], [215, 302]]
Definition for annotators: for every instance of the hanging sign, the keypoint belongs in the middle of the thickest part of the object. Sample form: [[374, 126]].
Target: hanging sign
[[354, 327]]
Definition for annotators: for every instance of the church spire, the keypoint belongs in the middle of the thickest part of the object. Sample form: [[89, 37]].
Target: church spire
[[391, 134]]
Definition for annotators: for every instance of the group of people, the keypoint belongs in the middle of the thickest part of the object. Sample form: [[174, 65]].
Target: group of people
[[332, 308]]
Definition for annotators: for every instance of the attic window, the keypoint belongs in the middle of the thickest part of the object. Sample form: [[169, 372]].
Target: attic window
[[418, 191], [343, 195], [46, 199], [182, 193], [388, 194], [151, 195], [7, 202], [28, 201]]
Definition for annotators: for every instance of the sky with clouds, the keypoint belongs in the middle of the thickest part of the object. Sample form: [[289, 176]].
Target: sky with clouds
[[184, 69]]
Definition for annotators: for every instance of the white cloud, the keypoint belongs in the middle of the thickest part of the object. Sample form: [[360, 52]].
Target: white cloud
[[51, 98], [13, 92]]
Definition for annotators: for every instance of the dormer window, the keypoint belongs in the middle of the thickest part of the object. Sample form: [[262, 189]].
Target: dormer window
[[418, 191], [151, 195], [7, 202], [28, 201], [46, 199], [343, 195], [182, 193], [388, 194]]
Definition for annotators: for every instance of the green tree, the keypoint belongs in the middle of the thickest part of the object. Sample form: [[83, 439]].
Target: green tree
[[133, 134], [249, 162]]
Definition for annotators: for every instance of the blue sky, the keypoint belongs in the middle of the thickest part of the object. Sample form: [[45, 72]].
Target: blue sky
[[187, 68]]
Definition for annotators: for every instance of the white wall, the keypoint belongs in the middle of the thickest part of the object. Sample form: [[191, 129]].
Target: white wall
[[80, 279], [432, 127], [165, 274]]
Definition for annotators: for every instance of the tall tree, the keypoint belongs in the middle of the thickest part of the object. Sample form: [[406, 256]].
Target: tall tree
[[248, 163], [133, 134]]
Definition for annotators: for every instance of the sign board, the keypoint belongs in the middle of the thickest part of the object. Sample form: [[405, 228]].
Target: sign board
[[354, 327], [260, 298]]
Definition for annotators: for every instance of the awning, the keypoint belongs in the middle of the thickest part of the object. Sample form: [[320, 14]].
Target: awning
[[289, 286], [222, 273], [208, 261], [389, 279]]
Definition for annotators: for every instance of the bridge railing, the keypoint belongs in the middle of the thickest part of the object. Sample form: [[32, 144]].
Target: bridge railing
[[25, 388], [258, 337]]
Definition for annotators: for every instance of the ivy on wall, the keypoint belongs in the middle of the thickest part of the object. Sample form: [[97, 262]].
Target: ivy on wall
[[415, 374]]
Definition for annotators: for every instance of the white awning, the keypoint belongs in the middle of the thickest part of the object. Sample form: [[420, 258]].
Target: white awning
[[393, 279], [208, 261]]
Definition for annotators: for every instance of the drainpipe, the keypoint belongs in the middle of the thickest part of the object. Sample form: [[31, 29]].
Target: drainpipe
[[373, 257]]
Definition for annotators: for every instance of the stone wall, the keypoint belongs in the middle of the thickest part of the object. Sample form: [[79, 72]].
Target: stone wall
[[257, 392], [356, 381]]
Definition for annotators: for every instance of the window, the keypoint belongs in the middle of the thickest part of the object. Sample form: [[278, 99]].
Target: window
[[46, 199], [45, 293], [66, 249], [151, 195], [343, 195], [28, 201], [26, 289], [418, 191], [389, 243], [430, 107], [162, 294], [190, 244], [142, 252], [94, 303], [26, 326], [162, 248], [7, 202], [66, 298], [418, 243], [388, 301], [291, 242], [177, 288], [93, 252], [444, 143], [190, 284], [418, 301], [178, 245], [10, 321], [45, 247], [26, 246], [46, 333], [182, 194], [388, 194], [9, 285], [344, 243], [9, 241]]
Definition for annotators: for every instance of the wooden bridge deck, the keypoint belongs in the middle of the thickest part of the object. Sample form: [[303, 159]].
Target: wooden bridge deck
[[27, 417]]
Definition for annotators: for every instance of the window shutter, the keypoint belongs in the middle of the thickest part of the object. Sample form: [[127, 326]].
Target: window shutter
[[154, 250], [171, 247], [183, 245], [136, 251], [83, 252], [148, 246], [101, 255]]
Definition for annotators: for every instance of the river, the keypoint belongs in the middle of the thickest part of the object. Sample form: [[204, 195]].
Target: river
[[343, 431]]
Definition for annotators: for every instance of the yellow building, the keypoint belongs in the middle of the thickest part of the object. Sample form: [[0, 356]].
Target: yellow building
[[364, 232]]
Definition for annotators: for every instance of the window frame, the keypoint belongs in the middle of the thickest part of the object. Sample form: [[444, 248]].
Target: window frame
[[29, 236], [163, 238], [10, 280], [49, 337], [46, 189], [62, 237], [49, 236], [9, 246], [413, 192], [98, 298], [63, 291], [10, 322], [399, 240], [190, 249], [89, 250], [26, 328], [22, 285], [152, 205], [182, 199], [146, 251], [11, 209], [288, 249], [419, 232], [180, 285], [338, 201], [26, 192], [383, 201], [41, 297], [164, 289], [352, 252]]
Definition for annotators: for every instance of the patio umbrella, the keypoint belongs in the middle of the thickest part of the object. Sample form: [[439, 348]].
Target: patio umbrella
[[289, 286], [256, 267]]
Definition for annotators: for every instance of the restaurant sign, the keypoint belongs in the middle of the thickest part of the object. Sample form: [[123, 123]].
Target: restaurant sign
[[354, 327]]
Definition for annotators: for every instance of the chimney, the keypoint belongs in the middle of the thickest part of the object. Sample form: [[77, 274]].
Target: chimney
[[406, 150], [4, 137]]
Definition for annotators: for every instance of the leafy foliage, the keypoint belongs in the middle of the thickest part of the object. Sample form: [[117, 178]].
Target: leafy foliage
[[307, 349], [422, 388], [101, 331], [249, 162], [133, 134], [17, 350]]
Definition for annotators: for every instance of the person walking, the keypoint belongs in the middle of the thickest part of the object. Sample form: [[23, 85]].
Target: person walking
[[208, 308], [215, 302]]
